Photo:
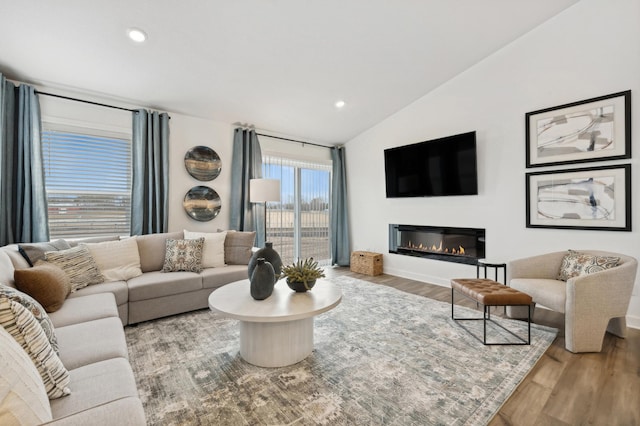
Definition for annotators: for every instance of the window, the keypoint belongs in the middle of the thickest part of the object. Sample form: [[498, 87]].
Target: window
[[88, 181], [298, 226]]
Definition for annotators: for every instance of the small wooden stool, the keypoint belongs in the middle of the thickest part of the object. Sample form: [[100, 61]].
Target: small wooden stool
[[491, 293]]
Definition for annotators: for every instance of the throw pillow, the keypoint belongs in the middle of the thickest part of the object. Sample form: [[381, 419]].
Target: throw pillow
[[78, 264], [34, 252], [24, 328], [23, 399], [213, 250], [575, 264], [117, 260], [237, 247], [35, 309], [183, 255], [46, 283]]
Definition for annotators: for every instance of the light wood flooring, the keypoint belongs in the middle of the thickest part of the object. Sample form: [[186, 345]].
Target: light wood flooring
[[563, 388]]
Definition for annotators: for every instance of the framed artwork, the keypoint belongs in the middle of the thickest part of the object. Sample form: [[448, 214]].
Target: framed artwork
[[597, 198], [590, 130]]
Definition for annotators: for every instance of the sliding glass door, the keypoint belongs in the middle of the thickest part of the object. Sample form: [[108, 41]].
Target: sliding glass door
[[298, 225]]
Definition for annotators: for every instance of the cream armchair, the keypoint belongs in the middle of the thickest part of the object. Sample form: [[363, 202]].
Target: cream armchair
[[592, 304]]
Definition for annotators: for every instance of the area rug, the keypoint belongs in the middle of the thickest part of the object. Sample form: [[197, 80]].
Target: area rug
[[381, 357]]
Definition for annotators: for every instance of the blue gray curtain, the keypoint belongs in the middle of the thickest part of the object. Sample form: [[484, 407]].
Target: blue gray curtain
[[150, 173], [246, 164], [340, 243], [23, 200]]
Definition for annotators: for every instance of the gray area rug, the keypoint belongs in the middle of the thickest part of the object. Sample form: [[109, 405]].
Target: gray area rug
[[382, 357]]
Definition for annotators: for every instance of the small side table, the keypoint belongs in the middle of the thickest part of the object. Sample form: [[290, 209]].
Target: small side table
[[488, 263]]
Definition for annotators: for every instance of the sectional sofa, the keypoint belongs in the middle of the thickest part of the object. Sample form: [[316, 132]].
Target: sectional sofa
[[90, 335]]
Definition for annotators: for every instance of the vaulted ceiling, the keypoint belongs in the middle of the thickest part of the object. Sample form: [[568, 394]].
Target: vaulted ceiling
[[277, 64]]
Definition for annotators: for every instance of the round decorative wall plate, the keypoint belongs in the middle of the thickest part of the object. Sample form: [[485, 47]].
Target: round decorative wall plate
[[202, 203], [202, 163]]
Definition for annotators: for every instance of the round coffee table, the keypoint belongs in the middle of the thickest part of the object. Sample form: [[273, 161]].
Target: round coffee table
[[277, 331]]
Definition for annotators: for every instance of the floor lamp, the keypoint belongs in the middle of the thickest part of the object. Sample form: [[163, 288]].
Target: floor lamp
[[263, 191]]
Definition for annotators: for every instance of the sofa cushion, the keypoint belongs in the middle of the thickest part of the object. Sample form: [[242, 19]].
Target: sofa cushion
[[217, 277], [93, 341], [24, 328], [78, 264], [85, 308], [550, 293], [157, 284], [95, 385], [35, 251], [183, 255], [46, 283], [575, 264], [35, 309], [23, 399], [117, 260], [117, 288], [237, 247], [152, 248], [213, 250], [6, 268]]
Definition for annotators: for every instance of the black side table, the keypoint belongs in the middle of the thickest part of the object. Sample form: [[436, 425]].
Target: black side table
[[485, 263]]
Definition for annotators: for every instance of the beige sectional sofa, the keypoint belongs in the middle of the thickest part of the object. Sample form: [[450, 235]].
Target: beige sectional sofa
[[91, 339]]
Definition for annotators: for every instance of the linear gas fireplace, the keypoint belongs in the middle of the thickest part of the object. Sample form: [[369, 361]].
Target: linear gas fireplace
[[460, 245]]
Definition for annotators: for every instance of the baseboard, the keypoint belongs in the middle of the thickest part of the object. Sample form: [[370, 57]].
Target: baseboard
[[632, 321]]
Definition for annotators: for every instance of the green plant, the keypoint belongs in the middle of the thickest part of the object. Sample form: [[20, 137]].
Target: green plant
[[304, 271]]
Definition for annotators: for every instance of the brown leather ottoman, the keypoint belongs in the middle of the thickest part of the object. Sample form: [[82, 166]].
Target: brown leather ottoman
[[491, 293]]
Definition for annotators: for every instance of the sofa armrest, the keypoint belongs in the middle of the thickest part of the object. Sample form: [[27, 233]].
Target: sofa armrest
[[123, 412], [544, 266]]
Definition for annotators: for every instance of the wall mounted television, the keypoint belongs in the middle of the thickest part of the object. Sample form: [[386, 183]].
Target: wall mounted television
[[439, 167]]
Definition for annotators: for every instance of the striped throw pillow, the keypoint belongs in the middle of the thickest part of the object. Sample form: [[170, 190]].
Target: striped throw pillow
[[26, 330], [78, 264], [36, 310]]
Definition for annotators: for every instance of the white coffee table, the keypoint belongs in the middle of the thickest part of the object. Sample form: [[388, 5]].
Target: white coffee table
[[277, 331]]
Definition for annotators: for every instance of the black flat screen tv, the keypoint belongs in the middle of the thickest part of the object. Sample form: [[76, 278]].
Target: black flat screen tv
[[439, 167]]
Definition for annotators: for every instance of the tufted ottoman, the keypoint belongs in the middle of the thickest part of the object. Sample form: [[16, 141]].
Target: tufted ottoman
[[491, 293]]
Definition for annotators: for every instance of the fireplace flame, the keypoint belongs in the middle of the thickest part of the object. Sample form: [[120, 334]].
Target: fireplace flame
[[436, 249]]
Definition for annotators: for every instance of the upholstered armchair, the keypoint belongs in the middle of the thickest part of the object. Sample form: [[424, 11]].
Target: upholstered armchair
[[592, 304]]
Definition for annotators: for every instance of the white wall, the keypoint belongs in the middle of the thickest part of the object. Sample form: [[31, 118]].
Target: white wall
[[589, 50]]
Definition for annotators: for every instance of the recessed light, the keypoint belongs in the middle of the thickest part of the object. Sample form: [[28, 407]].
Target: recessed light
[[340, 104], [137, 35]]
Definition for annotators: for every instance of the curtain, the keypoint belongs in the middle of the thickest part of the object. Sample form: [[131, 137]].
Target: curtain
[[150, 172], [246, 164], [340, 244], [23, 200]]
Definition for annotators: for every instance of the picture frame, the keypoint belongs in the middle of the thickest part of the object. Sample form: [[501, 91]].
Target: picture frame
[[590, 130], [593, 198]]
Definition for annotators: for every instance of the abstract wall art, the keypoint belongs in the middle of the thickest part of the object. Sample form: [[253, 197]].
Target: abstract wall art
[[590, 130], [596, 198]]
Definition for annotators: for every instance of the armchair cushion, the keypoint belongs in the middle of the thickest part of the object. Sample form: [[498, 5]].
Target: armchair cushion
[[575, 264]]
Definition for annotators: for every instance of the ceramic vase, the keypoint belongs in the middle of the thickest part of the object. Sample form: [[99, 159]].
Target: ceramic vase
[[262, 280], [269, 255]]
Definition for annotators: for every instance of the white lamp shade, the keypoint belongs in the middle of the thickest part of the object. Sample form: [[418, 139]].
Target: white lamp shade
[[263, 190]]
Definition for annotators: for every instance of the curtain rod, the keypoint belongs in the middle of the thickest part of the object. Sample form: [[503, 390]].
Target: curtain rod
[[86, 102], [293, 140]]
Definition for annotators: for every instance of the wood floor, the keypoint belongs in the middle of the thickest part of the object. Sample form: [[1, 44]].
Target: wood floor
[[563, 388]]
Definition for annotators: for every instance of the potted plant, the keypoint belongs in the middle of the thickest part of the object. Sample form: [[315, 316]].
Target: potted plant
[[302, 275]]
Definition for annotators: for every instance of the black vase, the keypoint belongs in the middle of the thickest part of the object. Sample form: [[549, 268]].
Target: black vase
[[269, 255], [262, 280]]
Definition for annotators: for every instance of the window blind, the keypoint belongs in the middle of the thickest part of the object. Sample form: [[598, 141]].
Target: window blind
[[298, 226], [88, 183]]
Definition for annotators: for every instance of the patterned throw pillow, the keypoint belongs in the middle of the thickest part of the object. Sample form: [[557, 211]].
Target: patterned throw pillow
[[46, 283], [36, 310], [78, 264], [575, 264], [183, 255], [24, 328]]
